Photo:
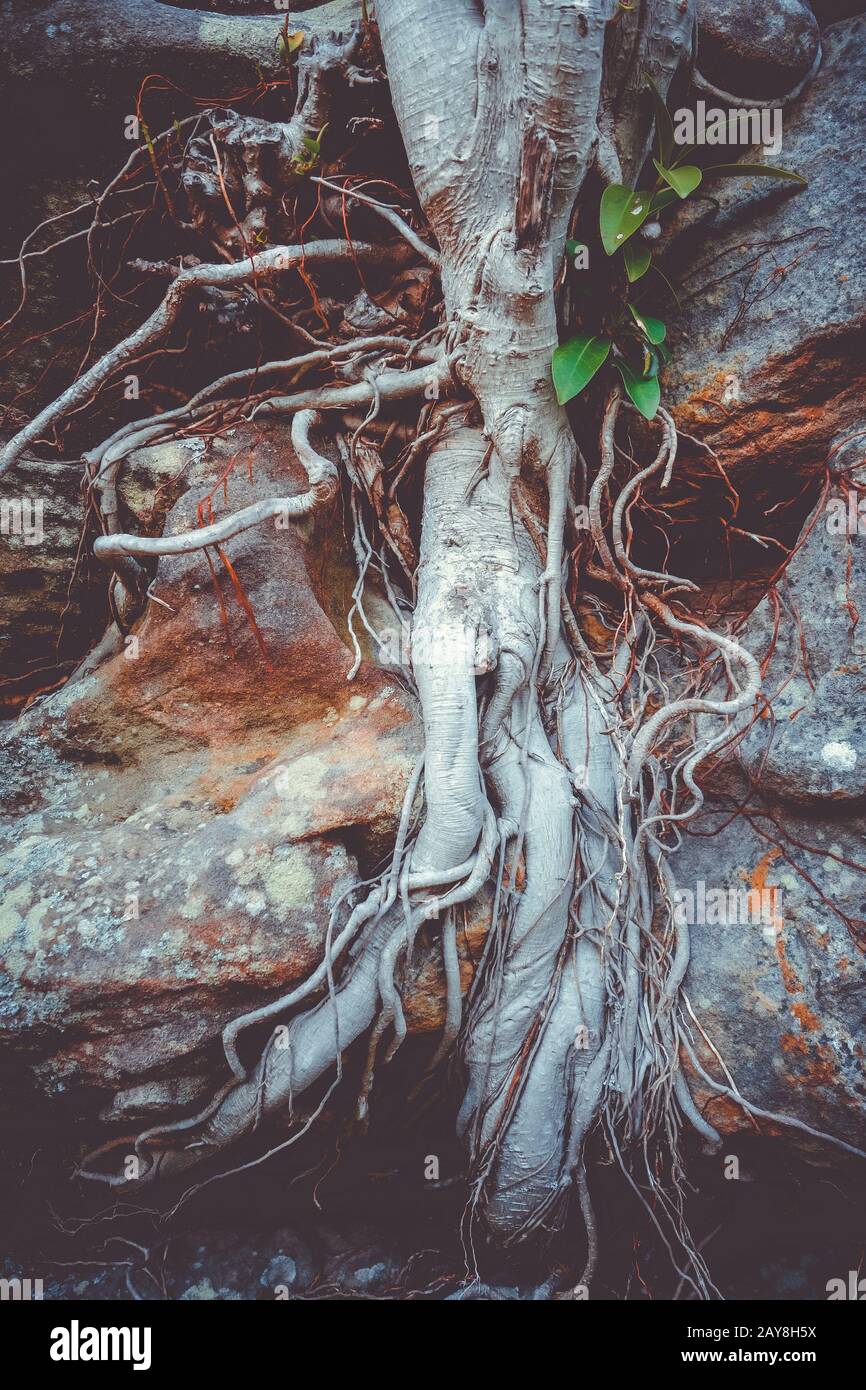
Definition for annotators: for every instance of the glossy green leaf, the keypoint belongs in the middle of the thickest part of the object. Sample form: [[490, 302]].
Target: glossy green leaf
[[683, 180], [637, 259], [576, 362], [644, 391], [664, 124], [653, 328], [750, 171], [621, 213]]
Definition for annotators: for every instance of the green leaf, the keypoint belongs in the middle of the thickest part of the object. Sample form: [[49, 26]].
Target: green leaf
[[650, 362], [305, 163], [683, 180], [637, 259], [664, 353], [644, 391], [621, 213], [287, 43], [576, 362], [750, 171], [653, 329], [664, 124]]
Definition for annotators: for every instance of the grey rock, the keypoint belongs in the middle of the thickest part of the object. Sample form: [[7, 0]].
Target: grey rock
[[813, 748], [779, 981], [755, 50], [768, 348], [154, 1098], [821, 753], [779, 987]]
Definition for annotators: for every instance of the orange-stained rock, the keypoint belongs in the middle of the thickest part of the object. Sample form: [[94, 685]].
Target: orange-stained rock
[[180, 818]]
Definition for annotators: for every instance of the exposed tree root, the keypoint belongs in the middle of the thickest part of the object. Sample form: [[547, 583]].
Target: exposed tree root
[[559, 775]]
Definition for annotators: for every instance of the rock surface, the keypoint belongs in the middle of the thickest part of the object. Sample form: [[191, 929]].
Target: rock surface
[[180, 817], [755, 50], [768, 370], [768, 348], [779, 987], [812, 748], [783, 978]]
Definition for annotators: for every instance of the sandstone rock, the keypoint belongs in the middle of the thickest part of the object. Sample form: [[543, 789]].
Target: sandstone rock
[[812, 748], [780, 988], [183, 814], [768, 347]]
